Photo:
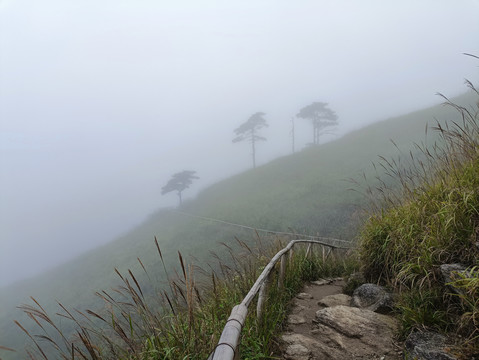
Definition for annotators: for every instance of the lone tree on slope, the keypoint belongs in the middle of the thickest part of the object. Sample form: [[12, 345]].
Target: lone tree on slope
[[179, 182], [248, 131], [321, 116]]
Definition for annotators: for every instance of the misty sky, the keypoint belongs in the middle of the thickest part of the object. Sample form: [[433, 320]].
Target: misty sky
[[102, 100]]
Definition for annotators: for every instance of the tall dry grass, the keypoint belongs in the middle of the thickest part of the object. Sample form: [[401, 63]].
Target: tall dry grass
[[185, 318]]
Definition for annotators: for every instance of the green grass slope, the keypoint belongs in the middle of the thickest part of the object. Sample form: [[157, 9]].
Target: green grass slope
[[306, 192], [434, 222]]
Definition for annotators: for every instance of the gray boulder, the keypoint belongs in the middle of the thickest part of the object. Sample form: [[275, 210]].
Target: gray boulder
[[427, 345], [450, 272], [372, 297]]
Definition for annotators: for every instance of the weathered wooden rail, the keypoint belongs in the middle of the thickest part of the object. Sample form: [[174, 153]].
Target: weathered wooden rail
[[227, 347]]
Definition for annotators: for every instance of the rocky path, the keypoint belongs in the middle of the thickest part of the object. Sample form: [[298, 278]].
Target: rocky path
[[324, 325]]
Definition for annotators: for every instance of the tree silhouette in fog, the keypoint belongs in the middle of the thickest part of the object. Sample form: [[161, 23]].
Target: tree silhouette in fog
[[179, 182], [321, 117], [249, 131]]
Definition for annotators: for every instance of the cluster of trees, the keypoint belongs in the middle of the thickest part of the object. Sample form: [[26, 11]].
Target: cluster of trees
[[320, 115], [322, 118]]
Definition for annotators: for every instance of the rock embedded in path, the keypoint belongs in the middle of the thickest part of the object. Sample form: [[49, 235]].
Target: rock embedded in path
[[297, 352], [356, 323], [372, 297], [427, 345], [298, 309], [317, 349], [335, 300], [358, 333], [300, 339], [344, 332], [304, 296], [296, 319], [322, 282]]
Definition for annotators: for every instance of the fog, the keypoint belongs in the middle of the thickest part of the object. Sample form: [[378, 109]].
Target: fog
[[101, 101]]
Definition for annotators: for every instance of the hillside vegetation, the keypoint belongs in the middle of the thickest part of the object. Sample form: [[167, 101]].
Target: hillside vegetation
[[304, 192], [432, 219]]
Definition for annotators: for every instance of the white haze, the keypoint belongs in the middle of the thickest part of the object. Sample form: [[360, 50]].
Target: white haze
[[102, 100]]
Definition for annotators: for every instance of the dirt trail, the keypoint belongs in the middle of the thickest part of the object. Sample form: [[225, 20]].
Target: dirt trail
[[322, 325]]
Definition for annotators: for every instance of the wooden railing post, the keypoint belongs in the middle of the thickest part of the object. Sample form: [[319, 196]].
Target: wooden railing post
[[291, 254], [308, 251], [282, 271], [261, 299], [330, 250]]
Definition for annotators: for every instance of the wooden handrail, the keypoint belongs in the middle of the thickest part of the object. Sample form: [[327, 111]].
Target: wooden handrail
[[226, 349]]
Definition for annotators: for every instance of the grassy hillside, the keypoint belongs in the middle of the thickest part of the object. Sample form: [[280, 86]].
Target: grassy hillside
[[435, 221], [306, 191]]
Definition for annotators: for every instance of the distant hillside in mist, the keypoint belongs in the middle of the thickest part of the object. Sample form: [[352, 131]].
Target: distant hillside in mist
[[307, 192]]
